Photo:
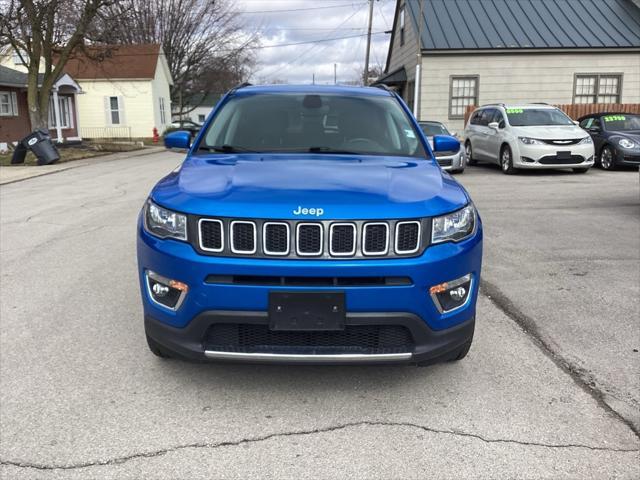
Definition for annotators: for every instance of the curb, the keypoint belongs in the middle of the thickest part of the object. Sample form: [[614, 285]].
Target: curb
[[84, 162]]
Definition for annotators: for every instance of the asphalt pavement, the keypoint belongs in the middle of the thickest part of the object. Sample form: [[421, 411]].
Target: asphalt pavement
[[549, 389]]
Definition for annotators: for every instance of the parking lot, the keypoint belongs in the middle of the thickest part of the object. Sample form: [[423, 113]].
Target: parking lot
[[550, 389]]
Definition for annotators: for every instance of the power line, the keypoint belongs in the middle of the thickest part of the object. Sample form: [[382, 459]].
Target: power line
[[259, 47], [305, 52], [324, 7]]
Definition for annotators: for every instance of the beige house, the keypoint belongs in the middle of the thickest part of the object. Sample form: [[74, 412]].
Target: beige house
[[123, 91], [126, 91], [474, 52]]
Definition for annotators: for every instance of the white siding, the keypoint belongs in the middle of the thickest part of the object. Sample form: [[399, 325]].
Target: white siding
[[137, 102], [161, 89], [546, 77]]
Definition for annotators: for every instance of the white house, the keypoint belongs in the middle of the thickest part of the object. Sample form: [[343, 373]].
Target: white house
[[198, 107], [473, 52], [126, 91]]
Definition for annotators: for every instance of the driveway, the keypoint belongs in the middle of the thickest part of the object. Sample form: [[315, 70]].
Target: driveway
[[81, 396]]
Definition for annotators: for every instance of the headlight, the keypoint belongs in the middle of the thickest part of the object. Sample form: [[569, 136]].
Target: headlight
[[165, 223], [454, 226], [626, 143], [531, 141], [585, 141]]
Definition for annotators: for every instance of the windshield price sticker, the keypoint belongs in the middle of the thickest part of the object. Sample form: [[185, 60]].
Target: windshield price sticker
[[615, 118], [511, 111]]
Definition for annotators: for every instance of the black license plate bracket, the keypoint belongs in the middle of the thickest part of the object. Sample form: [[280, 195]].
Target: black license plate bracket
[[306, 311], [563, 155]]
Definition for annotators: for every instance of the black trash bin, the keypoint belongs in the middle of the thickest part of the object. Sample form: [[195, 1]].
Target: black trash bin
[[39, 142]]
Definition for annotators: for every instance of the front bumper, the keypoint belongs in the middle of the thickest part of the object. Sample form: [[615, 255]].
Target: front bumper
[[546, 156], [434, 334], [627, 157], [452, 162], [431, 346]]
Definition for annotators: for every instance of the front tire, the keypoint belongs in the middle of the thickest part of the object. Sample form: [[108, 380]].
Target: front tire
[[606, 161], [468, 151], [506, 160]]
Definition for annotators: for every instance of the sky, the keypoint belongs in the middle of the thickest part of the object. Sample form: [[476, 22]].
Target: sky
[[294, 21]]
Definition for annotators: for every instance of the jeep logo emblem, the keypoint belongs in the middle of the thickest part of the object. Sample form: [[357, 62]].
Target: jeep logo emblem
[[318, 212]]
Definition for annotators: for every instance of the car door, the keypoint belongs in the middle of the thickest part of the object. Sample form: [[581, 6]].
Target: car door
[[494, 136], [481, 144], [596, 130]]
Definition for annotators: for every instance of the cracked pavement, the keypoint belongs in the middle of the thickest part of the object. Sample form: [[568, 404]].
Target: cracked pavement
[[81, 397]]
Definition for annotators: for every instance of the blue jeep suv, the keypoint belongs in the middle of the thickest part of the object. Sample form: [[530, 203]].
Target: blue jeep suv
[[310, 224]]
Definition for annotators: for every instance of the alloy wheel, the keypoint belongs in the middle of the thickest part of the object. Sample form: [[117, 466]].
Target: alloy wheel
[[606, 158], [506, 160]]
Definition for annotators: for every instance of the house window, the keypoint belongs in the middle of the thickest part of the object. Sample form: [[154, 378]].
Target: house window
[[64, 106], [463, 92], [114, 110], [597, 88], [401, 25], [8, 104], [162, 114], [201, 118]]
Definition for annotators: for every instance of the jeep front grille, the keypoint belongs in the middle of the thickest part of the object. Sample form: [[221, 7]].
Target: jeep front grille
[[306, 239]]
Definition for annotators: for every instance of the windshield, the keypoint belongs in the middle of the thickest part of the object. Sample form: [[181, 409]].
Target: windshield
[[432, 129], [527, 117], [621, 123], [326, 123]]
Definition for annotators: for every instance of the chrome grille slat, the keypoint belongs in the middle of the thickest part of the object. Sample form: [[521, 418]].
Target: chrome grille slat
[[342, 239], [375, 238], [243, 237], [309, 239]]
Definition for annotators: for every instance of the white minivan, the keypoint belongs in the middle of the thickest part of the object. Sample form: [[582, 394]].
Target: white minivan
[[527, 136]]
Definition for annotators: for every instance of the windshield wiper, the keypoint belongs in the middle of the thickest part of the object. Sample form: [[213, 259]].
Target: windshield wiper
[[332, 150], [226, 149]]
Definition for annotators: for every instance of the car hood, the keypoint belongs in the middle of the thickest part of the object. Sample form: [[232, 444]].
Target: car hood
[[551, 132], [343, 186], [633, 135]]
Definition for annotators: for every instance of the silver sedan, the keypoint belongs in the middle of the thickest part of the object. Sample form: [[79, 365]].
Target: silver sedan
[[453, 162]]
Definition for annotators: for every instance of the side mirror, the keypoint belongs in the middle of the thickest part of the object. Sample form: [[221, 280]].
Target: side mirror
[[494, 125], [576, 122], [445, 143], [179, 139], [594, 130]]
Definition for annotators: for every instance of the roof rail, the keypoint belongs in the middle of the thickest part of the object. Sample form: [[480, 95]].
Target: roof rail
[[382, 86], [492, 104], [539, 103], [242, 85]]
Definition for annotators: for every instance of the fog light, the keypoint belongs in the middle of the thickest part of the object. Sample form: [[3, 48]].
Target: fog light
[[448, 296], [164, 291]]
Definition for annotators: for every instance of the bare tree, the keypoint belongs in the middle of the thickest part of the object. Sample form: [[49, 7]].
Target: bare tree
[[206, 45], [44, 33]]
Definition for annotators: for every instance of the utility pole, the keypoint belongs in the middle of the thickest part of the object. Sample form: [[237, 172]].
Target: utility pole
[[365, 74], [313, 78], [418, 80], [335, 73]]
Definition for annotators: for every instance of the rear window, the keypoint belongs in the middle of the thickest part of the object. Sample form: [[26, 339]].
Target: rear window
[[528, 117], [331, 123]]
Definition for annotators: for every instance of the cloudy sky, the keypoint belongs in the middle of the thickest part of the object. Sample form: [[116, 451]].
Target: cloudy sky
[[296, 21]]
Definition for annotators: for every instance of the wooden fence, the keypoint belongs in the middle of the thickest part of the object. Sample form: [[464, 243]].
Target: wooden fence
[[577, 110]]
